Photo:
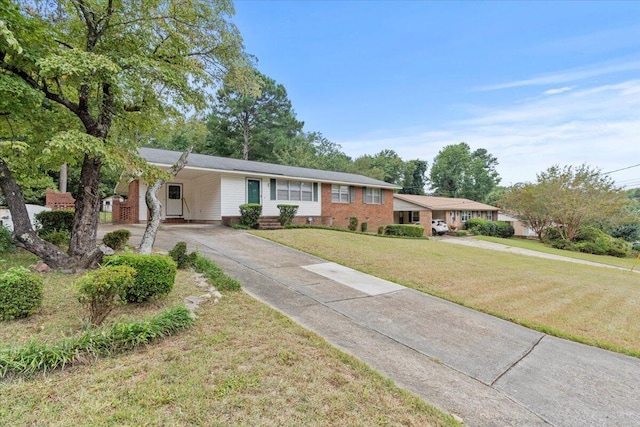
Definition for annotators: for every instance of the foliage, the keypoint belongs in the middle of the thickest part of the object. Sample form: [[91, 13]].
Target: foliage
[[58, 238], [101, 290], [353, 223], [121, 337], [414, 177], [461, 233], [54, 221], [589, 240], [629, 231], [155, 275], [251, 125], [458, 172], [287, 213], [216, 276], [117, 239], [20, 293], [250, 214], [407, 230], [180, 256], [485, 227], [240, 227], [381, 229], [364, 226], [6, 240]]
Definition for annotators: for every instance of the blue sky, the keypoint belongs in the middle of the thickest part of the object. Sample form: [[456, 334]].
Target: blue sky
[[535, 83]]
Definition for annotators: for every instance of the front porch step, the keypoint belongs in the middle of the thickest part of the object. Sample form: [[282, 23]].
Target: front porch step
[[269, 223]]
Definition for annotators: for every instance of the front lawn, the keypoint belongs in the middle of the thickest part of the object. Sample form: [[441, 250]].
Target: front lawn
[[242, 363], [594, 305]]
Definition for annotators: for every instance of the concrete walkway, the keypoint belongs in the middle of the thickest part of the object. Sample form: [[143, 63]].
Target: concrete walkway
[[484, 370]]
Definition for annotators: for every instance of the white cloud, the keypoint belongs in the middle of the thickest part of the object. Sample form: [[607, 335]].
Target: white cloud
[[599, 126], [557, 91]]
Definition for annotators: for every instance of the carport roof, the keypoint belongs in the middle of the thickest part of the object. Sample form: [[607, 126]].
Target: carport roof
[[444, 203], [168, 158]]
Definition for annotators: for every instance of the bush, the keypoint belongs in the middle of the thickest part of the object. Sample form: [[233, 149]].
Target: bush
[[6, 240], [461, 233], [58, 238], [101, 290], [381, 229], [629, 231], [216, 276], [485, 227], [155, 275], [20, 293], [364, 226], [51, 221], [287, 213], [353, 223], [116, 240], [250, 214], [407, 230], [179, 255]]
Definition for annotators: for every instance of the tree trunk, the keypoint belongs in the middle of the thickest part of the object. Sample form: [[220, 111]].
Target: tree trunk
[[23, 232], [63, 178], [245, 134], [154, 205], [85, 221]]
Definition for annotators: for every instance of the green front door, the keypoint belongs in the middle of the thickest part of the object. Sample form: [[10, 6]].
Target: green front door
[[253, 191]]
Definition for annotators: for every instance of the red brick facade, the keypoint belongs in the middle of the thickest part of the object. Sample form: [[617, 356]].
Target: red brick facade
[[127, 212], [59, 201], [375, 215]]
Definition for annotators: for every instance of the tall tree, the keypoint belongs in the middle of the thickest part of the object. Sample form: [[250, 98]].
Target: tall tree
[[414, 177], [458, 172], [103, 63], [249, 125]]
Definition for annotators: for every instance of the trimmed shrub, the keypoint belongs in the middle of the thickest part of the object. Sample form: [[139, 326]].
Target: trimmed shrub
[[20, 293], [461, 233], [353, 223], [180, 256], [406, 230], [155, 275], [485, 227], [287, 213], [58, 238], [381, 229], [117, 239], [54, 221], [6, 240], [101, 290], [363, 227], [250, 214]]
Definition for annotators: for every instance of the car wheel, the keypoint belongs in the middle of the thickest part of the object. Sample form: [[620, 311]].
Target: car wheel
[[433, 232]]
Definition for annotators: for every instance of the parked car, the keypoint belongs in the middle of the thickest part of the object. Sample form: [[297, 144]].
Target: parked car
[[438, 227]]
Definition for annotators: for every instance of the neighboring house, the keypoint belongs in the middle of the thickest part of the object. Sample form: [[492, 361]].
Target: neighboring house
[[59, 201], [107, 203], [32, 210], [211, 189], [413, 209], [520, 230]]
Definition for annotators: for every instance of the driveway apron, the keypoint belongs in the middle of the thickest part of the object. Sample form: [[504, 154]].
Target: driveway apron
[[484, 370]]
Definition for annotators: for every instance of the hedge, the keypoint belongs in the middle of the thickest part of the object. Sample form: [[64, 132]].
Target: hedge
[[407, 230], [21, 293], [155, 275]]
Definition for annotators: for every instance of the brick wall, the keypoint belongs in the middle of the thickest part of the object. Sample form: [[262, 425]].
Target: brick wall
[[127, 212], [375, 215], [59, 201]]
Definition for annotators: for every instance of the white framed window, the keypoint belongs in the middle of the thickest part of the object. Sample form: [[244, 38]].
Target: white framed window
[[415, 216], [340, 193], [465, 215], [306, 191], [373, 195], [294, 190]]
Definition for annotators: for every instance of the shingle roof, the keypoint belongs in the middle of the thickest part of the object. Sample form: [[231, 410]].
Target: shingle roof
[[224, 164], [445, 203]]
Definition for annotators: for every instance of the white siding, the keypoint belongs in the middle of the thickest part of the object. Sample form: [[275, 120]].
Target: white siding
[[233, 190], [142, 211], [203, 195], [401, 205]]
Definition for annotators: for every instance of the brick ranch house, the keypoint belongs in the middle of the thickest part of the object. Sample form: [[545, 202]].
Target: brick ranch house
[[412, 209], [211, 189]]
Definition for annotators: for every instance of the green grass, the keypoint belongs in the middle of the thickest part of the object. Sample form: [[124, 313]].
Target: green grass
[[242, 363], [536, 245], [594, 305]]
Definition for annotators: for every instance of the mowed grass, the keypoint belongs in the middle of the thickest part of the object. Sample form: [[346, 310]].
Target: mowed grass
[[595, 305], [242, 363], [536, 245]]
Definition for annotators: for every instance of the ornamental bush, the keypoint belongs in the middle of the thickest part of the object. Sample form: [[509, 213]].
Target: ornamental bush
[[59, 238], [287, 213], [353, 223], [20, 293], [117, 239], [155, 275], [250, 214], [406, 230], [364, 226], [180, 256], [51, 221], [485, 227], [100, 291], [6, 240]]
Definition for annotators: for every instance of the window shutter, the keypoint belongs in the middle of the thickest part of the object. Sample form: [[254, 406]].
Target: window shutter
[[315, 191], [382, 191], [352, 194], [364, 194], [273, 189]]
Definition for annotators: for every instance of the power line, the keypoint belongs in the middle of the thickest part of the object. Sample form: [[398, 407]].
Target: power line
[[618, 170]]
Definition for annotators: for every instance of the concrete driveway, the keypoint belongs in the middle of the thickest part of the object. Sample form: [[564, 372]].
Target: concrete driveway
[[486, 371]]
